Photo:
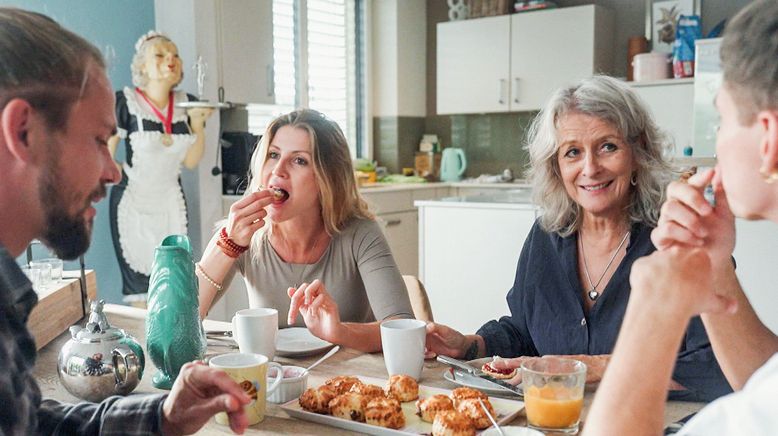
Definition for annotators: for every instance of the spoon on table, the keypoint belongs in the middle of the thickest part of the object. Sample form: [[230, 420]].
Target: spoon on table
[[491, 418], [323, 358]]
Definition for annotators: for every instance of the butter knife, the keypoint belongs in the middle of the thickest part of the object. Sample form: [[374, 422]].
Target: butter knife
[[476, 372]]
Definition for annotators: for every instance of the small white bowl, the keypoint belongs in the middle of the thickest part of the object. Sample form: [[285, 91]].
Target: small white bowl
[[511, 430], [293, 384]]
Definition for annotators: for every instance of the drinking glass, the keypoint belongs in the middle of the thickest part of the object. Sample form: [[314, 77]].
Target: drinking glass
[[39, 275], [553, 393], [56, 267]]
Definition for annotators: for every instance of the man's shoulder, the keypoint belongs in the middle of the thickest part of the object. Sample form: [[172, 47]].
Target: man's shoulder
[[749, 411]]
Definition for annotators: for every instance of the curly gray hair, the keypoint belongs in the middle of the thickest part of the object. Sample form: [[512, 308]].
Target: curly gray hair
[[614, 102], [139, 78]]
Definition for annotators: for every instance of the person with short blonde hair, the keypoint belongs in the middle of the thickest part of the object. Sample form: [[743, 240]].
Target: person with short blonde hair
[[303, 232]]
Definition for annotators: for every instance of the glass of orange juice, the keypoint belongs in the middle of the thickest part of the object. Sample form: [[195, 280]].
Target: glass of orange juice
[[553, 393]]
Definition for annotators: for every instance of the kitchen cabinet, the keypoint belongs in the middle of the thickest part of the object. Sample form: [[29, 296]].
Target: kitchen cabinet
[[473, 63], [398, 217], [245, 38], [515, 62], [468, 252], [672, 105]]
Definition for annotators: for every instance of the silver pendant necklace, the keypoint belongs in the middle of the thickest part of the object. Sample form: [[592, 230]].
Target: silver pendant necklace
[[593, 293]]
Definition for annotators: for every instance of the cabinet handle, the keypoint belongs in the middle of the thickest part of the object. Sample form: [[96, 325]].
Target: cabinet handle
[[516, 90], [391, 223], [502, 91], [271, 80]]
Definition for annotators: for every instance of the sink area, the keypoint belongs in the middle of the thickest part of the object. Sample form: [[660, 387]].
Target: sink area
[[511, 196]]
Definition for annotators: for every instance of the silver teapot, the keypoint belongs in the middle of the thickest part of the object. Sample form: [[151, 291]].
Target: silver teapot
[[100, 360]]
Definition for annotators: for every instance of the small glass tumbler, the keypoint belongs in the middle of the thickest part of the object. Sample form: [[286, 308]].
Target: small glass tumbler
[[56, 267], [39, 275], [553, 393]]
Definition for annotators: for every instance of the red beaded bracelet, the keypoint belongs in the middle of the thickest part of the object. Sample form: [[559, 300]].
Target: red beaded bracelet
[[226, 249], [225, 239]]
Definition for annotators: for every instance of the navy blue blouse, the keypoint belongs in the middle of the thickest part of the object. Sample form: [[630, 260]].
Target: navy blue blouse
[[548, 317]]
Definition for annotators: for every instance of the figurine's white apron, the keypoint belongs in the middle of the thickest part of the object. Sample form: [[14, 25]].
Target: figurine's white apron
[[152, 206]]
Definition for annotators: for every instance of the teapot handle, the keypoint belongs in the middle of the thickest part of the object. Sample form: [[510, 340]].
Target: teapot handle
[[126, 367]]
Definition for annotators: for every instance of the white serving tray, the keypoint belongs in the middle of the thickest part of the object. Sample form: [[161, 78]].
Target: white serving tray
[[505, 409]]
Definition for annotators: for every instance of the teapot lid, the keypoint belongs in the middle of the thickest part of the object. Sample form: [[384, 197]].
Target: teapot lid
[[97, 328]]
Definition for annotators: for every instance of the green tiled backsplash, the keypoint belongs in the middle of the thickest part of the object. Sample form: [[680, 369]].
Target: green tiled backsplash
[[492, 142]]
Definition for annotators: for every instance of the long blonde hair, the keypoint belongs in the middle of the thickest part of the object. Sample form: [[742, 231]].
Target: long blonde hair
[[338, 194]]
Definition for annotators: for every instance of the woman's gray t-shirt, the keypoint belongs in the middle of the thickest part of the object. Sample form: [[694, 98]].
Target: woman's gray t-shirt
[[357, 269]]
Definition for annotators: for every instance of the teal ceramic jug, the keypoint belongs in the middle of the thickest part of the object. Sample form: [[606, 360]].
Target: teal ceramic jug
[[174, 333]]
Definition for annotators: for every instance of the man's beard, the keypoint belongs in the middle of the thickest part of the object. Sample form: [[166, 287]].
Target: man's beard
[[67, 236]]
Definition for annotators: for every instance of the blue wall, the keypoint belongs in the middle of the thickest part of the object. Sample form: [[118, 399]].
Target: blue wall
[[105, 23]]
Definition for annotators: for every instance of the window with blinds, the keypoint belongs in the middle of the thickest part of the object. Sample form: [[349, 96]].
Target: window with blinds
[[318, 63]]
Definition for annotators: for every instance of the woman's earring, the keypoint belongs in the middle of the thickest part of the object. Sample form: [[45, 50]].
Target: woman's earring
[[634, 180]]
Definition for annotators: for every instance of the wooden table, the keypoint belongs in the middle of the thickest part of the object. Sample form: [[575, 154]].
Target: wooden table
[[345, 362]]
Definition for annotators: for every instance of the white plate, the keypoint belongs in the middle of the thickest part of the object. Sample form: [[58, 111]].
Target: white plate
[[206, 104], [505, 409], [464, 379], [298, 341]]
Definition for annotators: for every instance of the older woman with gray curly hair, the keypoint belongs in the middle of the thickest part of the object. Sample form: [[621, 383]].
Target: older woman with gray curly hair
[[598, 174]]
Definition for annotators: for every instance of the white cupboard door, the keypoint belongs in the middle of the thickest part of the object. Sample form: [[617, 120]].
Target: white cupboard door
[[245, 33], [468, 259], [402, 234], [672, 106], [473, 66], [756, 260], [549, 49]]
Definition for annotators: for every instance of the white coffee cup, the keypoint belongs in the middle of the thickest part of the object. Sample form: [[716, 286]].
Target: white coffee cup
[[403, 343], [255, 331]]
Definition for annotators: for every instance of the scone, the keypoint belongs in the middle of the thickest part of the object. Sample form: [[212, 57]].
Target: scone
[[349, 406], [369, 391], [452, 423], [464, 393], [428, 407], [473, 410], [504, 374], [342, 383], [318, 400], [403, 387], [385, 412]]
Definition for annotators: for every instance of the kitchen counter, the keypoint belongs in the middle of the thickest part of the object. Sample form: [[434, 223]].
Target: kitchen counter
[[395, 187], [510, 199]]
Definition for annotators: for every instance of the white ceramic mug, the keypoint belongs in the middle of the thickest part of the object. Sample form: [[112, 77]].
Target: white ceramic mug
[[255, 331], [403, 343], [250, 372]]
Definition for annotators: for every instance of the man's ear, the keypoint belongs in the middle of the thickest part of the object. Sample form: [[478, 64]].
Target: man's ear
[[16, 120], [768, 121]]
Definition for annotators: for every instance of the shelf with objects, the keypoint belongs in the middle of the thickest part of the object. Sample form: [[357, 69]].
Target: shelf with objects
[[62, 299]]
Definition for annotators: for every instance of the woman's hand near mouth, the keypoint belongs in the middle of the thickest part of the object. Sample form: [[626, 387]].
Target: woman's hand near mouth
[[247, 216]]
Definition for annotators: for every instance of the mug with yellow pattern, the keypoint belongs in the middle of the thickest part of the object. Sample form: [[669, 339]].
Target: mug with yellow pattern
[[250, 372]]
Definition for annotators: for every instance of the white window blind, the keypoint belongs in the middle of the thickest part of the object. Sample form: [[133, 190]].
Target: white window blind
[[316, 64]]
